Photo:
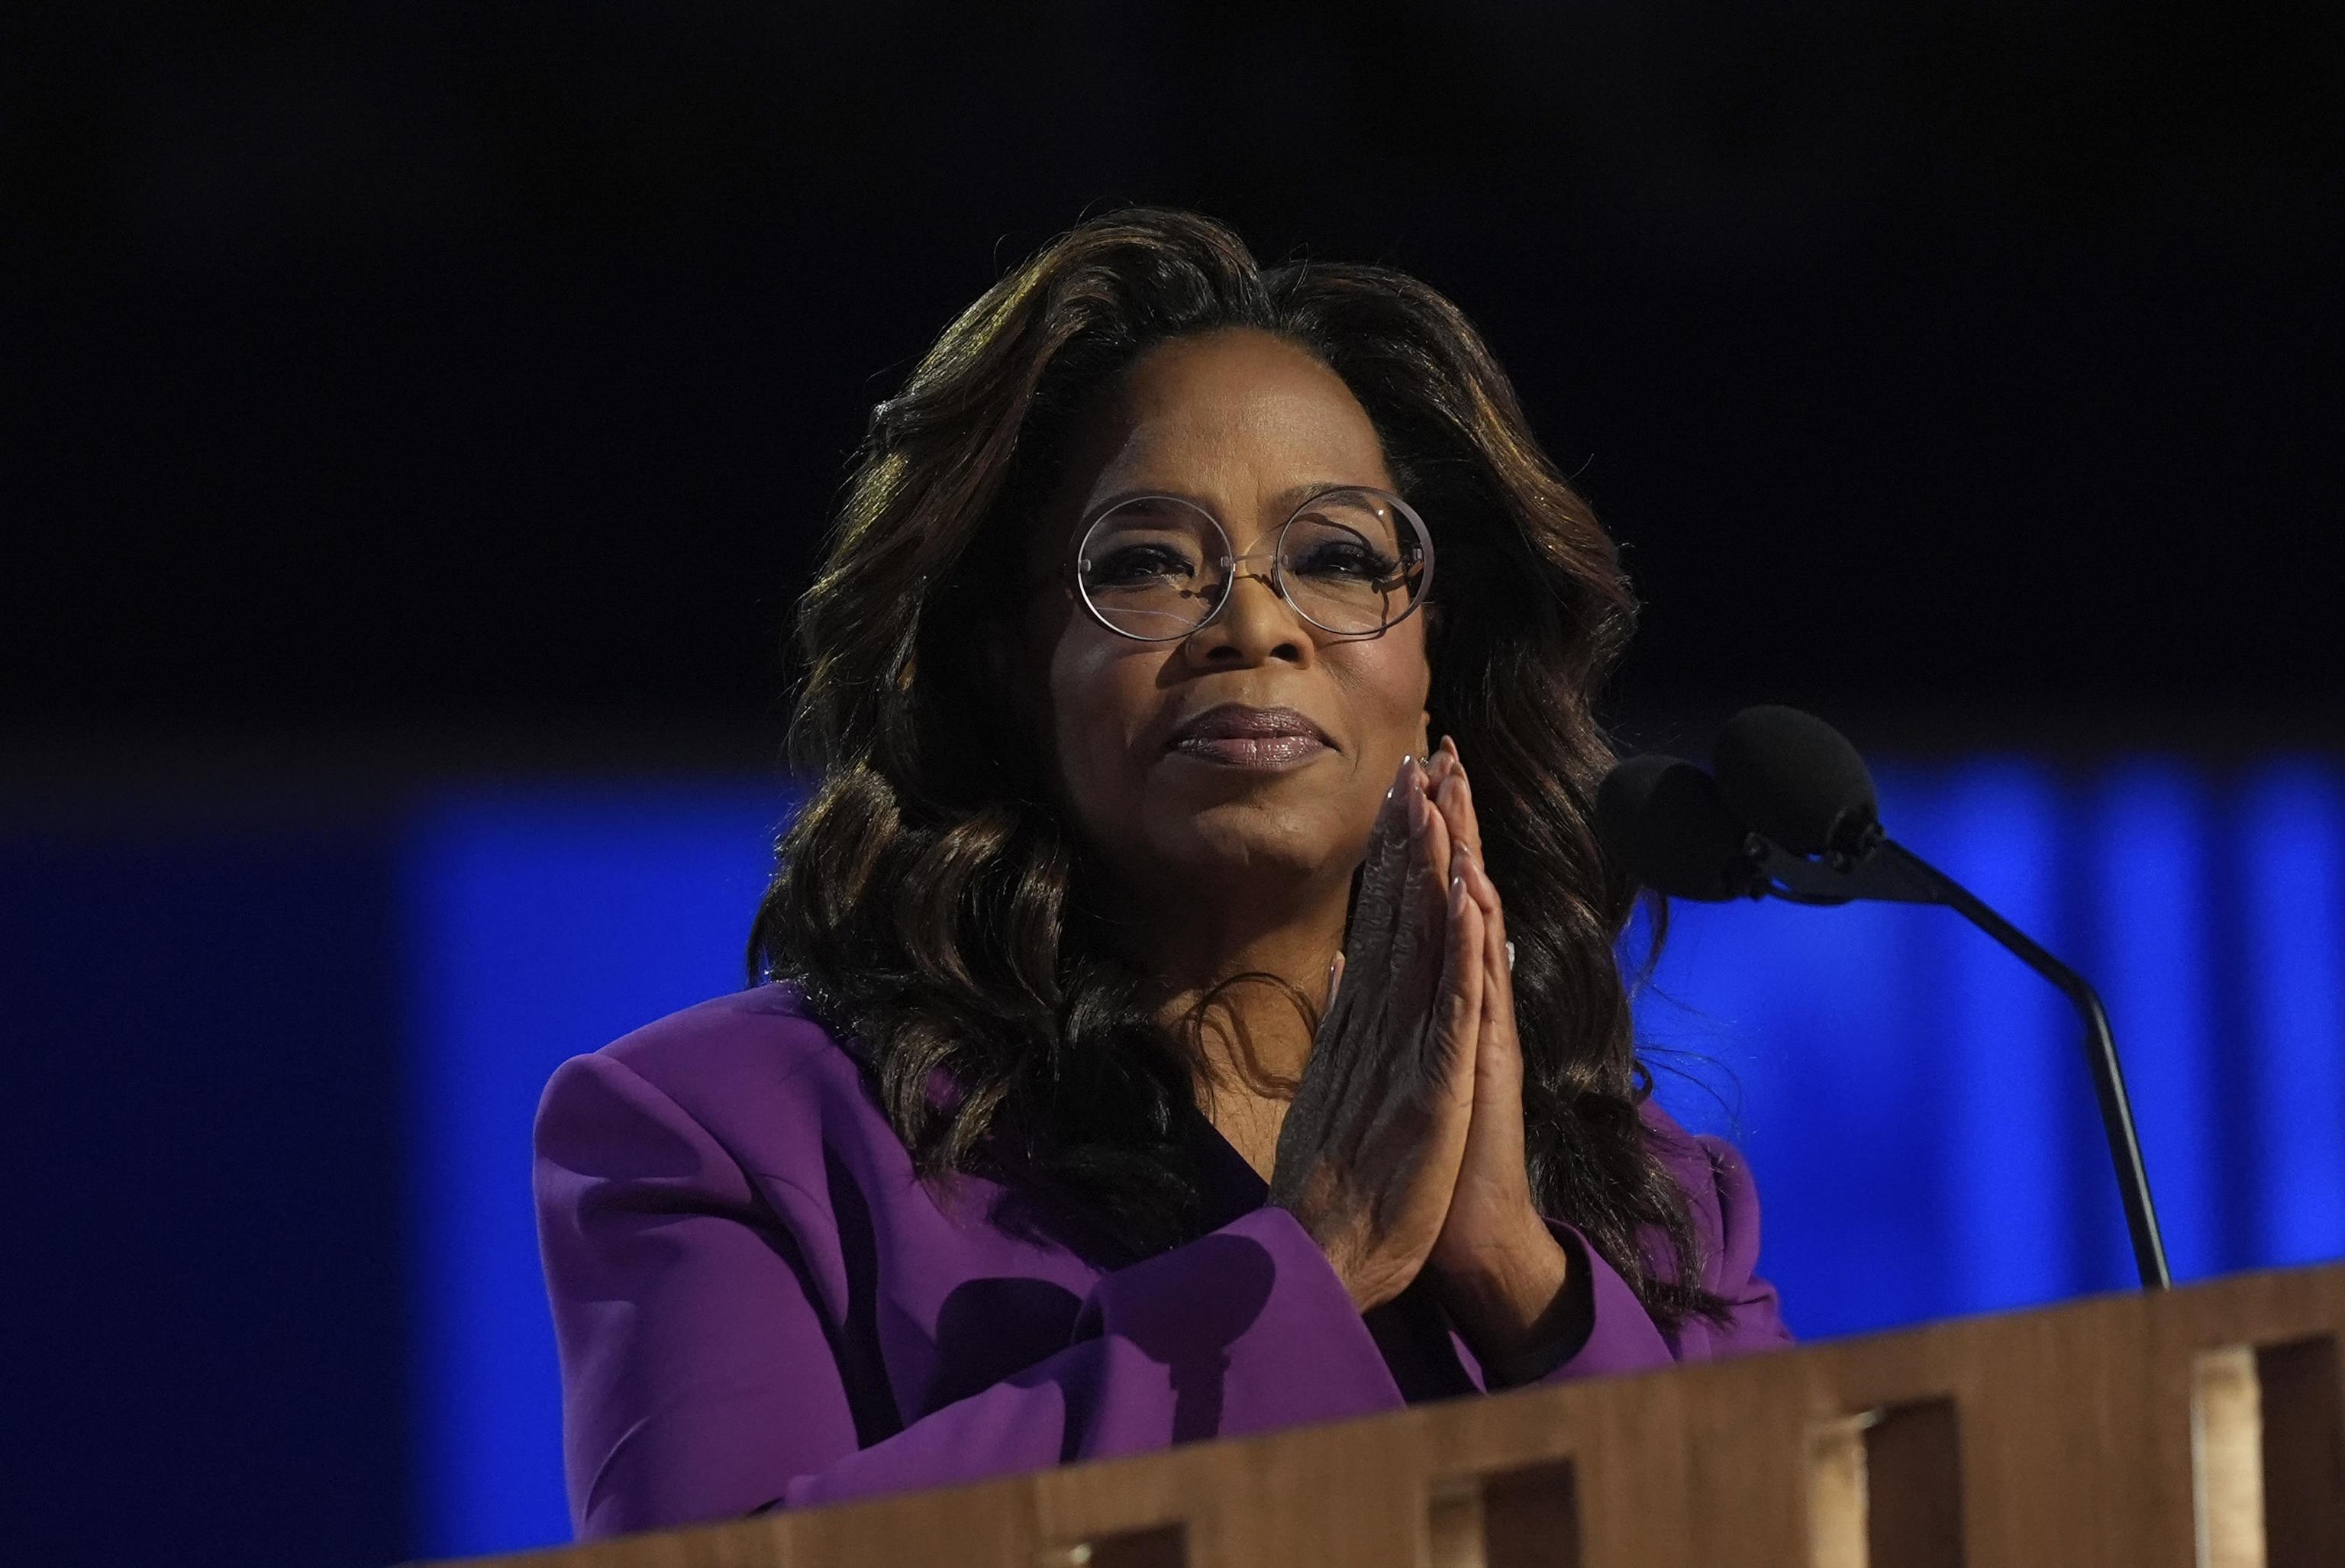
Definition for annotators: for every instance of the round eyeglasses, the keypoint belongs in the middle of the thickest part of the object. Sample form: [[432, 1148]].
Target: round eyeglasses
[[1351, 560]]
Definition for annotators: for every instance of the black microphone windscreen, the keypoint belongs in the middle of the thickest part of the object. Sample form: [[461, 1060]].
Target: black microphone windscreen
[[1662, 818], [1795, 779]]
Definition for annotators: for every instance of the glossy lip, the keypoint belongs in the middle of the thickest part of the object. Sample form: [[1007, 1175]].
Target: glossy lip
[[1234, 735]]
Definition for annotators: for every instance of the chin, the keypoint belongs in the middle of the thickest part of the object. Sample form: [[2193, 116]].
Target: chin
[[1247, 839]]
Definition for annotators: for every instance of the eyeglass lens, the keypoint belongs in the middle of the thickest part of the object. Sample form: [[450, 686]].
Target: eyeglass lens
[[1351, 562]]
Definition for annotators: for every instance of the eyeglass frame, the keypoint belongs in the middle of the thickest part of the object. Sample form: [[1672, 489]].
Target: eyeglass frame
[[1229, 560]]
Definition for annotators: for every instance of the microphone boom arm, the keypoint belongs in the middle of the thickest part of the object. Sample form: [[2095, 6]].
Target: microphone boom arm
[[1885, 871]]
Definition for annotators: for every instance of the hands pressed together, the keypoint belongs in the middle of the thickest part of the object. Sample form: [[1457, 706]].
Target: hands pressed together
[[1402, 1151]]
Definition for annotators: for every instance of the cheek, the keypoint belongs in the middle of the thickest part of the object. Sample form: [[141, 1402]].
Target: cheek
[[1101, 692], [1388, 682]]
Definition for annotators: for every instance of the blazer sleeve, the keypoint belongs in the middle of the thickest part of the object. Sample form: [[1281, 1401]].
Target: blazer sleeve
[[701, 1379], [1623, 1338]]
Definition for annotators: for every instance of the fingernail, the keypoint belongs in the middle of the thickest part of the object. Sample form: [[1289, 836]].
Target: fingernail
[[1510, 957]]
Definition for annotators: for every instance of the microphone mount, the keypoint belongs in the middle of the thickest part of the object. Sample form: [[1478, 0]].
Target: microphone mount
[[1874, 868]]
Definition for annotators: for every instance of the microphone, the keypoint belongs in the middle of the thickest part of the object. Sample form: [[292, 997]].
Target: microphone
[[1796, 779], [1792, 814], [1662, 818]]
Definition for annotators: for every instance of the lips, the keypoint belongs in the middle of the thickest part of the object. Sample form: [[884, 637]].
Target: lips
[[1236, 735]]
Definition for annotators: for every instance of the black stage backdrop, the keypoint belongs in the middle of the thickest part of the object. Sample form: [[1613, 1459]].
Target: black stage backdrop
[[422, 364]]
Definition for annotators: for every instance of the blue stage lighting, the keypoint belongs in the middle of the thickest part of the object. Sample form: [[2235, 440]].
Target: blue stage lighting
[[540, 925], [1913, 1099]]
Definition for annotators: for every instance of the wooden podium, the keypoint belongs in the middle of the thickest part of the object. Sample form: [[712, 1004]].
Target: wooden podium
[[2206, 1425]]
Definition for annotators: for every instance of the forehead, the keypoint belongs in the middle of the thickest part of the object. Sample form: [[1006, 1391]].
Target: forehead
[[1238, 420]]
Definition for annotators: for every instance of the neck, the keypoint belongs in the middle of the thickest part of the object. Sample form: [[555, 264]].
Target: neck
[[1244, 975]]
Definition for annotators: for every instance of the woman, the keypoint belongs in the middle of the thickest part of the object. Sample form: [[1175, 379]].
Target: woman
[[1147, 1051]]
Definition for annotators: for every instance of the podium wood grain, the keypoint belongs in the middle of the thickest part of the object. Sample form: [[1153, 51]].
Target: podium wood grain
[[2203, 1426]]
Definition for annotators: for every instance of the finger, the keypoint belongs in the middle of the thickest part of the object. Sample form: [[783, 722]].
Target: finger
[[1439, 768], [1376, 914], [1435, 874], [1396, 988], [1418, 950], [1498, 957], [1457, 1017], [1420, 901], [1442, 761], [1456, 799], [1449, 799]]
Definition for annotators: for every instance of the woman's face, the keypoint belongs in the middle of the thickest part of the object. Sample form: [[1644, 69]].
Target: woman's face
[[1257, 752]]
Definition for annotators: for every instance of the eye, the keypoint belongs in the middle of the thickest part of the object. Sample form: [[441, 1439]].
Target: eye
[[1132, 564], [1340, 553]]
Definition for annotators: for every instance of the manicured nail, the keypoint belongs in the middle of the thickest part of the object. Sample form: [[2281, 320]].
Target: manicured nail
[[1510, 958]]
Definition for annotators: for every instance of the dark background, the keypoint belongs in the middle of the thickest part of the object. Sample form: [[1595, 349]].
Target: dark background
[[402, 391], [442, 369]]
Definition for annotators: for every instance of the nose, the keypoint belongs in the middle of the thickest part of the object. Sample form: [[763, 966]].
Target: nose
[[1256, 626]]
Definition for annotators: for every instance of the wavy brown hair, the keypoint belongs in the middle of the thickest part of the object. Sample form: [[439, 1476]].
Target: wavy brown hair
[[929, 898]]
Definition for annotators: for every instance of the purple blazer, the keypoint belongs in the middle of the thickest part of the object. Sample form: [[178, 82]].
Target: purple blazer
[[759, 1303]]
